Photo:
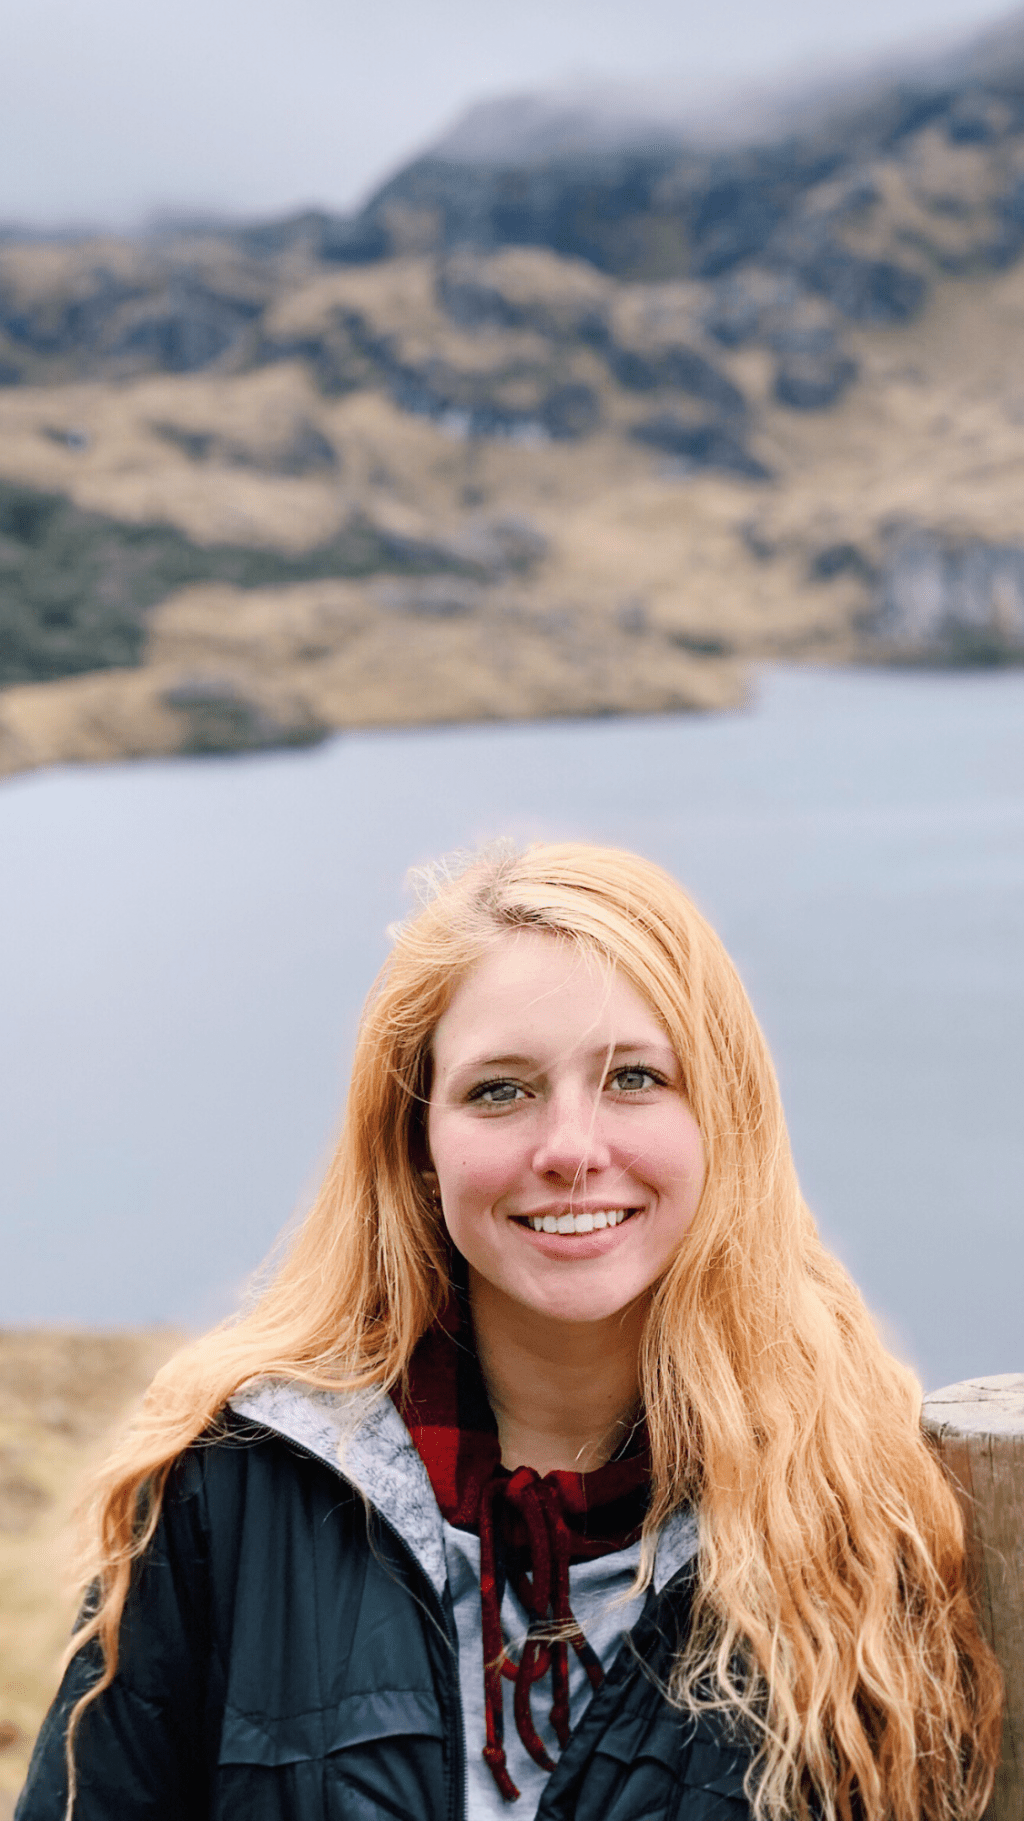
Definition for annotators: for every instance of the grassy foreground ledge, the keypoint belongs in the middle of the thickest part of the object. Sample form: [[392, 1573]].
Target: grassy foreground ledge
[[61, 1395]]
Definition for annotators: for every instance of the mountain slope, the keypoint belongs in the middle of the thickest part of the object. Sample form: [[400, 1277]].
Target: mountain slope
[[563, 422]]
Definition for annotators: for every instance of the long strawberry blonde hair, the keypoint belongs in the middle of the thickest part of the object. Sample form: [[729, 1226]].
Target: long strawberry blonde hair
[[831, 1613]]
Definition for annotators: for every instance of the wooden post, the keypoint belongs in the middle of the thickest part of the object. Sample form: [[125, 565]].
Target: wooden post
[[977, 1428]]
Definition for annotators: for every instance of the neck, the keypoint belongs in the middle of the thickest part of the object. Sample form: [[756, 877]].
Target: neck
[[564, 1394]]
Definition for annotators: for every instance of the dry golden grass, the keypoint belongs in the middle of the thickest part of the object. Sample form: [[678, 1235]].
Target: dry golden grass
[[325, 655], [657, 584], [62, 1394]]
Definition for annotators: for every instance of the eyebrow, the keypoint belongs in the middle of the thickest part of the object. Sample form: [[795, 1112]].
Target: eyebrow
[[477, 1063]]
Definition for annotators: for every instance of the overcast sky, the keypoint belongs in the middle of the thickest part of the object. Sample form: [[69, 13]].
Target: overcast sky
[[111, 110]]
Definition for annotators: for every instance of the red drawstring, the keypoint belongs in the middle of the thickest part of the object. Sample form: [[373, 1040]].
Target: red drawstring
[[545, 1596]]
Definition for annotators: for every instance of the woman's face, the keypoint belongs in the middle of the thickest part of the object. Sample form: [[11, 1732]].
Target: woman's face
[[568, 1162]]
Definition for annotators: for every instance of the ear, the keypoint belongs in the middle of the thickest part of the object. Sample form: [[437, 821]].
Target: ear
[[428, 1177]]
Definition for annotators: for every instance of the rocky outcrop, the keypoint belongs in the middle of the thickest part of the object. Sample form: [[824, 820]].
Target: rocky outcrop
[[675, 367], [700, 445], [812, 372], [931, 597], [219, 714], [152, 314], [304, 449], [944, 600]]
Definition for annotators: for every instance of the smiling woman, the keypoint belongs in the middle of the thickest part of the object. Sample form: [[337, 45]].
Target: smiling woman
[[568, 1166], [557, 1115], [558, 1386]]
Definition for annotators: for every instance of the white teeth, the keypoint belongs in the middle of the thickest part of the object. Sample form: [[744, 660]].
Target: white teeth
[[586, 1222]]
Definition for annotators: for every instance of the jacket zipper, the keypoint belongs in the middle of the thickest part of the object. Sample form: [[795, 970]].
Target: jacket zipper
[[457, 1810]]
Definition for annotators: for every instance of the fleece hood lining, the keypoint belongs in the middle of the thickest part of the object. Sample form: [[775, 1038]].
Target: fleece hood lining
[[361, 1436]]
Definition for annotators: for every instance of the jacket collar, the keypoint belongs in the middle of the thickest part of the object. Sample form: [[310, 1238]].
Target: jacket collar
[[361, 1436]]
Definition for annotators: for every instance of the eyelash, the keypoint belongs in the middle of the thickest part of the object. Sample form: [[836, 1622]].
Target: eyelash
[[640, 1068], [633, 1068]]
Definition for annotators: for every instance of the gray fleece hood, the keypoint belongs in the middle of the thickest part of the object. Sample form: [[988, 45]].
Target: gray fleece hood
[[361, 1436]]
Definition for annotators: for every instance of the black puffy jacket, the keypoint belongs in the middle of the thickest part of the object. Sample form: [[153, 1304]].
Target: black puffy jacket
[[285, 1656]]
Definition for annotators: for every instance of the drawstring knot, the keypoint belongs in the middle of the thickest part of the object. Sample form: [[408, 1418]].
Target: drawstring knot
[[544, 1594], [535, 1528]]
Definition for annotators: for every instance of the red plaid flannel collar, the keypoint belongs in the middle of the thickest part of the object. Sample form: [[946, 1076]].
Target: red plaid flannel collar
[[531, 1528]]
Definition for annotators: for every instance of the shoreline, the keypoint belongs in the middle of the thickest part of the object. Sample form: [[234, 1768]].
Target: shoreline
[[110, 718]]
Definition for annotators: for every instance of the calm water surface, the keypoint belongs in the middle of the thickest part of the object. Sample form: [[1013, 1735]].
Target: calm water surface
[[184, 947]]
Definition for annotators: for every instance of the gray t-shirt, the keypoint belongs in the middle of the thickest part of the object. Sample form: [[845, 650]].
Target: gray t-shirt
[[604, 1619]]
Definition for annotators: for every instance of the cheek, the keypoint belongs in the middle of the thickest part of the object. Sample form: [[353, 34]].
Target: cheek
[[693, 1151], [694, 1160], [473, 1159], [679, 1159]]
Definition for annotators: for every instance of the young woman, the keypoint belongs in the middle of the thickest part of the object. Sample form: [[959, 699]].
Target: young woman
[[559, 1470]]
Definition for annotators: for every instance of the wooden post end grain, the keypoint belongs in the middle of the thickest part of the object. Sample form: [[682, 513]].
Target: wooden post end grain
[[977, 1428]]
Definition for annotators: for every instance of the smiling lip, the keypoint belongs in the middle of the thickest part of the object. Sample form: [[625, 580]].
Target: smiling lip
[[590, 1241], [575, 1219]]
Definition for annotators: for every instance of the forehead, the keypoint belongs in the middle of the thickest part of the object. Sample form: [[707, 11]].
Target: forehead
[[533, 989]]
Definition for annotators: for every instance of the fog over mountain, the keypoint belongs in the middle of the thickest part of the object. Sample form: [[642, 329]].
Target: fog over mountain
[[111, 112], [608, 116]]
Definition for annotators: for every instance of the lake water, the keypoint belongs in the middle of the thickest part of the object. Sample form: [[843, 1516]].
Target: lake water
[[185, 945]]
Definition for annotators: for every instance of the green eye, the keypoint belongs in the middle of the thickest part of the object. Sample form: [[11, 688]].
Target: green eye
[[496, 1093], [634, 1080]]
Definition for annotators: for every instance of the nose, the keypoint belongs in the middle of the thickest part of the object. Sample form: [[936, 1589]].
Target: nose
[[571, 1143]]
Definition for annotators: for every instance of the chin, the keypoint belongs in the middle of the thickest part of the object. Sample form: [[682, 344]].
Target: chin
[[569, 1305]]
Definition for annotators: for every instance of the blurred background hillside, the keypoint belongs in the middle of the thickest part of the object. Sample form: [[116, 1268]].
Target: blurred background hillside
[[419, 369], [586, 405]]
